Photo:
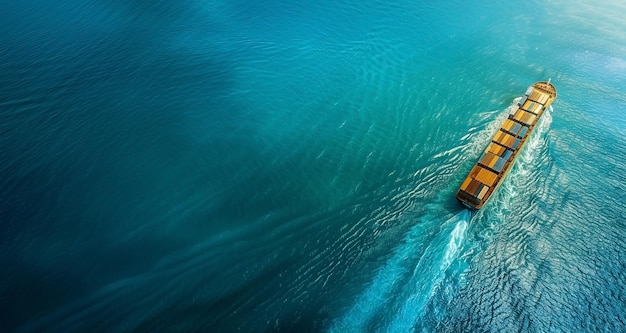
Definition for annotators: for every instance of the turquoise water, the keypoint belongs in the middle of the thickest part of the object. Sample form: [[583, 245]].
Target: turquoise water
[[291, 167]]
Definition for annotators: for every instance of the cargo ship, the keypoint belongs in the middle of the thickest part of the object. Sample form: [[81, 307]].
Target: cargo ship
[[500, 154]]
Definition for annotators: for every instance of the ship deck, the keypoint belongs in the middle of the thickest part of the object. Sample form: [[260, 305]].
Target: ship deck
[[499, 156]]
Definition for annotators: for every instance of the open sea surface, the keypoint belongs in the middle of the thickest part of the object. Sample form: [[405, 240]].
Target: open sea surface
[[290, 166]]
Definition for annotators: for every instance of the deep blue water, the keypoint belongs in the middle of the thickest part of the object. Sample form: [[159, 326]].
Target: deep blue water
[[291, 166]]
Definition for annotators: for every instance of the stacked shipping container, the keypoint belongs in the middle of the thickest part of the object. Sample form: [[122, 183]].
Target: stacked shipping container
[[501, 152]]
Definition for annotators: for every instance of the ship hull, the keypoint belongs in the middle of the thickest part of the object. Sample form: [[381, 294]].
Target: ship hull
[[492, 167]]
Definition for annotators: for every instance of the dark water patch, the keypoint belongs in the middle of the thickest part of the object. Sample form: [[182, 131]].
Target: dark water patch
[[98, 120]]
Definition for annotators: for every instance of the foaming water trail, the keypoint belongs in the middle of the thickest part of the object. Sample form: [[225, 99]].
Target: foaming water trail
[[422, 281], [430, 271]]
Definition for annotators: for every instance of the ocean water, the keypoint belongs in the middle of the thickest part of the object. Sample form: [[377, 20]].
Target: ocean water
[[286, 166]]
